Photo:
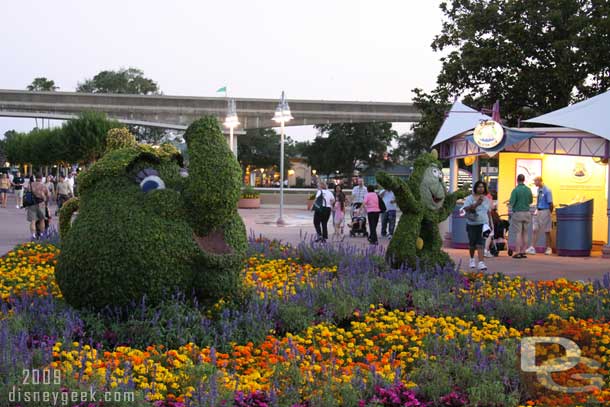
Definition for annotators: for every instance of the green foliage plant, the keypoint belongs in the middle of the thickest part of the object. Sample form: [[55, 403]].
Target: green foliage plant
[[424, 202], [183, 234]]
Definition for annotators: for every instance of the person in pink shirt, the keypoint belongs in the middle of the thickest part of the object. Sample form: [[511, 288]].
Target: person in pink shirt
[[371, 204]]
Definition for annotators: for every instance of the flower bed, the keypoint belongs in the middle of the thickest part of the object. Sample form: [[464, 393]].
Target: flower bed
[[315, 328]]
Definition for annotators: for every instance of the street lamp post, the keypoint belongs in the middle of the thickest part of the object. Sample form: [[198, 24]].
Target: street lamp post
[[282, 116], [231, 121]]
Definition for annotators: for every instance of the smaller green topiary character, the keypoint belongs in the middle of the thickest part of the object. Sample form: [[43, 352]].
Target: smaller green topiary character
[[424, 203]]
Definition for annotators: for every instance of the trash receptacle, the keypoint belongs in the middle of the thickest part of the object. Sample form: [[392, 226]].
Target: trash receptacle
[[459, 235], [575, 229]]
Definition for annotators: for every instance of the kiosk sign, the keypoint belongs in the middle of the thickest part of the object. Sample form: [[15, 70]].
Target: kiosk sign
[[488, 134]]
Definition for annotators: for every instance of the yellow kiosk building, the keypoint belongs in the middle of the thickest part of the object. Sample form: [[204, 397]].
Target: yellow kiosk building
[[572, 158]]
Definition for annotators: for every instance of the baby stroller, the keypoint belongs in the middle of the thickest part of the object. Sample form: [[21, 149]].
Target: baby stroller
[[499, 241], [358, 224]]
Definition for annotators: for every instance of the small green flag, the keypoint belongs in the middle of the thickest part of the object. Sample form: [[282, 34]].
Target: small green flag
[[223, 89]]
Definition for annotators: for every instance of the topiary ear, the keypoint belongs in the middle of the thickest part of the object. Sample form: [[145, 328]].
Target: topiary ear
[[434, 153]]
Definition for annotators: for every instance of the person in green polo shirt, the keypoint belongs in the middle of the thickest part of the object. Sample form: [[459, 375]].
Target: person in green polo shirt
[[520, 201]]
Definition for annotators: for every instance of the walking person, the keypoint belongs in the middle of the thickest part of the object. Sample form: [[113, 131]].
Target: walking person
[[5, 185], [359, 193], [323, 203], [339, 211], [487, 252], [542, 219], [63, 191], [51, 187], [373, 210], [18, 184], [71, 181], [478, 223], [388, 218], [36, 212], [520, 201]]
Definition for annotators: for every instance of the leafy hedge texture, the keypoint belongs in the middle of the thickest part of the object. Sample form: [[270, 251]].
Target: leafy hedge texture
[[119, 138], [211, 193], [126, 244], [417, 237]]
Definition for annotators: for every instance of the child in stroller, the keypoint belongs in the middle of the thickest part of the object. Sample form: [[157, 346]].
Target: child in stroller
[[499, 240], [358, 224]]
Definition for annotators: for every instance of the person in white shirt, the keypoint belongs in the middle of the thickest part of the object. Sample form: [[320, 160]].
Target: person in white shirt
[[359, 193], [70, 182], [388, 218], [323, 203]]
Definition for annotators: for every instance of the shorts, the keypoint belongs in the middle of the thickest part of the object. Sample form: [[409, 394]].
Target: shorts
[[475, 236], [19, 193], [36, 212], [3, 190], [519, 222], [542, 221]]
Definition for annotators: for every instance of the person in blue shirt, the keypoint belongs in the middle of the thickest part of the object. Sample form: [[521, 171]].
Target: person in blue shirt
[[542, 220]]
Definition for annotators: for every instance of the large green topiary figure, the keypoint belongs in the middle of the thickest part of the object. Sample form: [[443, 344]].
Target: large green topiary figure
[[143, 230], [424, 203]]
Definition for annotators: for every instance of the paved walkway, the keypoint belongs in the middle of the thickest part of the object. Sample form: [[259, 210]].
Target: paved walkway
[[14, 229], [539, 267]]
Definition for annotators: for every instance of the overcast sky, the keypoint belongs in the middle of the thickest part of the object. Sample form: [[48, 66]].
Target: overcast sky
[[316, 49]]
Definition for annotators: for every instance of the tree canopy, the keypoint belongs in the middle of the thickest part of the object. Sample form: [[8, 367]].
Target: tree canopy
[[260, 148], [126, 81], [42, 84], [80, 140], [533, 56], [130, 81], [341, 147], [432, 107]]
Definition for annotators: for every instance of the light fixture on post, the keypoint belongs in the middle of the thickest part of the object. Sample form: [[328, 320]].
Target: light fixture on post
[[282, 116], [231, 121]]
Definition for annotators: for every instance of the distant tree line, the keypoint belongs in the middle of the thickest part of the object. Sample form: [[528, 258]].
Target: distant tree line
[[81, 140]]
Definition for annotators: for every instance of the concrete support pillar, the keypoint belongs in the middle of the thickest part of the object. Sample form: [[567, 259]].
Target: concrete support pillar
[[453, 174], [476, 170], [606, 248], [453, 186]]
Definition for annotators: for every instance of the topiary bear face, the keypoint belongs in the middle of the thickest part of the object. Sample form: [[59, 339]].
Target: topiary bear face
[[432, 188], [141, 225]]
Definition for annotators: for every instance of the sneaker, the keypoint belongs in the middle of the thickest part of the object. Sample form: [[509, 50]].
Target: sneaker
[[17, 206], [548, 251], [482, 266], [488, 254], [389, 237], [531, 250], [472, 263]]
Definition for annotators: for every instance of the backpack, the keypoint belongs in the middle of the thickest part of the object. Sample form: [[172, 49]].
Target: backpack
[[318, 203], [30, 199], [382, 206]]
